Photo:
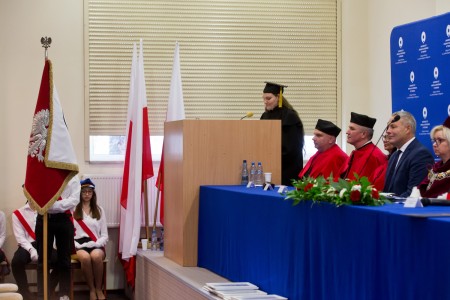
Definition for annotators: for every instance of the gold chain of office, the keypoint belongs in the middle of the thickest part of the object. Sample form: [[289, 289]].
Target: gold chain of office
[[437, 176]]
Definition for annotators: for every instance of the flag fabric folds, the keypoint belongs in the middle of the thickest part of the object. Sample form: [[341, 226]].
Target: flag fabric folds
[[51, 160], [175, 111], [138, 167]]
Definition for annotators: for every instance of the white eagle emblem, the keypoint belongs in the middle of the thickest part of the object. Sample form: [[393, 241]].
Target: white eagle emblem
[[38, 138]]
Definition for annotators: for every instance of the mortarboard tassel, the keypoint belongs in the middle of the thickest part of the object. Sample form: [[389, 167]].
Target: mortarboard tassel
[[280, 99]]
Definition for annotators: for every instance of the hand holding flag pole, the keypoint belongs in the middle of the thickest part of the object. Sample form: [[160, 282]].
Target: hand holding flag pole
[[51, 159]]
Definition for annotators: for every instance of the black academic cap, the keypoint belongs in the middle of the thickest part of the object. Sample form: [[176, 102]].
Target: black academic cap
[[328, 127], [447, 122], [273, 88], [362, 120]]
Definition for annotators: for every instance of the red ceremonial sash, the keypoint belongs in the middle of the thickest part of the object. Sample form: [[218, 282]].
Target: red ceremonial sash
[[87, 230], [25, 224]]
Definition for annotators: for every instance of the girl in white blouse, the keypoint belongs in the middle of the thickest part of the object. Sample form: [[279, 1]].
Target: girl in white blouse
[[91, 236]]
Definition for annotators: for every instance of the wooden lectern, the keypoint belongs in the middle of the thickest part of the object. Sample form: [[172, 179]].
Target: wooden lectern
[[209, 152]]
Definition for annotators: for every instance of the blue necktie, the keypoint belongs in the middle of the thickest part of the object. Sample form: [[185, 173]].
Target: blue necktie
[[393, 161]]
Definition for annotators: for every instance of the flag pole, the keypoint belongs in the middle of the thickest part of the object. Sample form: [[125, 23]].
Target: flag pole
[[147, 230], [157, 199], [45, 41]]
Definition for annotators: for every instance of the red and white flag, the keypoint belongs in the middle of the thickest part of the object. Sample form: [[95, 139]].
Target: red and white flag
[[51, 160], [175, 112], [138, 167]]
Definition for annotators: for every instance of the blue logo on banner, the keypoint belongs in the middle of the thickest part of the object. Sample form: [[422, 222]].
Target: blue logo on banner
[[420, 72]]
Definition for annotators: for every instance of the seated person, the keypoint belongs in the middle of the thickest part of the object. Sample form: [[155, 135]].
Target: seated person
[[409, 164], [91, 236], [329, 158], [367, 159], [24, 222], [437, 182], [388, 147]]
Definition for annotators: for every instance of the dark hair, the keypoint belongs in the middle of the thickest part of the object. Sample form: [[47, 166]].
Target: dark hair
[[95, 210], [286, 104]]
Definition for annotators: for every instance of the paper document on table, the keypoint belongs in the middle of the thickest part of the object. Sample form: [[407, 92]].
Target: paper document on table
[[222, 286], [228, 295], [391, 197], [255, 297]]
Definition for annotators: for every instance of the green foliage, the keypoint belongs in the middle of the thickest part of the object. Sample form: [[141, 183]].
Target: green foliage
[[343, 192]]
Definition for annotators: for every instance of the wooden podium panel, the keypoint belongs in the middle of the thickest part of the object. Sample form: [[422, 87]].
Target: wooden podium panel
[[209, 152]]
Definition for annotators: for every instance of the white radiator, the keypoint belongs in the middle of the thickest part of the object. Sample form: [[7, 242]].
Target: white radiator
[[109, 188]]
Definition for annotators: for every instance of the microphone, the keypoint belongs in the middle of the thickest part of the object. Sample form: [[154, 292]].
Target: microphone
[[434, 202], [248, 115], [395, 119]]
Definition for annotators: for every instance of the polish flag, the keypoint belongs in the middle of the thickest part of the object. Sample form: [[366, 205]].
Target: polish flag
[[138, 167], [175, 112], [51, 160]]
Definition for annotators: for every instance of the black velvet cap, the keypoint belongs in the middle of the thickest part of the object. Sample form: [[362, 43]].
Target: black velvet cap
[[362, 120], [447, 123], [273, 88], [328, 127]]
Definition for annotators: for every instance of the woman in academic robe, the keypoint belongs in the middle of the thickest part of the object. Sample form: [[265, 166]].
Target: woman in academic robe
[[292, 134], [437, 181]]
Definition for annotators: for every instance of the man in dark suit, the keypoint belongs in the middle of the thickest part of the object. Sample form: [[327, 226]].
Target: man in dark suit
[[409, 164]]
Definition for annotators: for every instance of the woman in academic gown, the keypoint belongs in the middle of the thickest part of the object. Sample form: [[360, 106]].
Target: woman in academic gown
[[437, 181], [292, 134]]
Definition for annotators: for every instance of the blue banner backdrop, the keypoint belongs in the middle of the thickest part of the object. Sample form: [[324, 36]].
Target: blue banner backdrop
[[420, 72]]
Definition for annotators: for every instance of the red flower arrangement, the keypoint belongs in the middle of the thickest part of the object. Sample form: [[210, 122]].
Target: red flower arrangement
[[344, 192]]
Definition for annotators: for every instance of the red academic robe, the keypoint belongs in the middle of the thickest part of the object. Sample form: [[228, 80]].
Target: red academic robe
[[367, 161], [325, 163], [437, 181]]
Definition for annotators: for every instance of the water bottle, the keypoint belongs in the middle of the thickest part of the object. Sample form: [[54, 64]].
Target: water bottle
[[259, 180], [252, 172], [161, 240], [154, 244], [244, 174]]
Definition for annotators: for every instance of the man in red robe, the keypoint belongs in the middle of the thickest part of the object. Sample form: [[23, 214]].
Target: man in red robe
[[329, 158], [367, 159]]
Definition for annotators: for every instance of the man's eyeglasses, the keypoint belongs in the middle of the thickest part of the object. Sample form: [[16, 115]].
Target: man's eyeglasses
[[438, 141]]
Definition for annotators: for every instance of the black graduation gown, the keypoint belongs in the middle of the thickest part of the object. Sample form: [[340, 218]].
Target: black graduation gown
[[292, 141]]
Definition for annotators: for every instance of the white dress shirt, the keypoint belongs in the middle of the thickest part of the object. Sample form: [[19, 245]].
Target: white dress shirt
[[98, 228], [2, 228], [22, 236], [70, 197]]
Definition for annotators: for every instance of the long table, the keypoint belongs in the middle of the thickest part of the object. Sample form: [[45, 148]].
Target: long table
[[319, 251]]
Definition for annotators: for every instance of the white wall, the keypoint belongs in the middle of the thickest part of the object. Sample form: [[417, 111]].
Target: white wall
[[366, 72], [366, 27], [22, 24]]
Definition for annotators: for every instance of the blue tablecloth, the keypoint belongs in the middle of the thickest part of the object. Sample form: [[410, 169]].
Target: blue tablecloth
[[319, 251]]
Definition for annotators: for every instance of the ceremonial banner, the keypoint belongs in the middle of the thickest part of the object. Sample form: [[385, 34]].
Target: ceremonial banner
[[420, 72], [138, 167], [175, 111], [51, 160]]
